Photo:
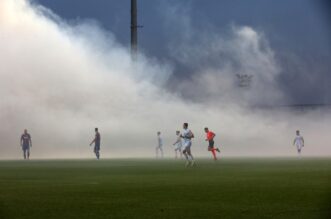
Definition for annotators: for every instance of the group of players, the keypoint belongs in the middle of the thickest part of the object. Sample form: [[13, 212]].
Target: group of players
[[182, 144]]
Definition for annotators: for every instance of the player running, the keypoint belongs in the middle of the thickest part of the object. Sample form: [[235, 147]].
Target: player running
[[178, 145], [26, 143], [159, 146], [299, 142], [210, 138], [187, 135], [96, 141]]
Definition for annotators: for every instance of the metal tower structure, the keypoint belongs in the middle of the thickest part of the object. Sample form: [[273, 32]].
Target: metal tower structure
[[134, 30]]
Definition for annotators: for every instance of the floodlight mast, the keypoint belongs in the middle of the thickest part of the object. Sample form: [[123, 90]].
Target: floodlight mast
[[134, 30]]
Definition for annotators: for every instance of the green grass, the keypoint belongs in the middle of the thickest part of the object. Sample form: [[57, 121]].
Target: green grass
[[128, 188]]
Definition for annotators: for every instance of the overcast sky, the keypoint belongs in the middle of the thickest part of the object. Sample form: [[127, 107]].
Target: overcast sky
[[297, 30]]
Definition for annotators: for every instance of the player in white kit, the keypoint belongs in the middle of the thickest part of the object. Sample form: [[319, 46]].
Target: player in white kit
[[159, 146], [178, 145], [299, 142], [187, 135]]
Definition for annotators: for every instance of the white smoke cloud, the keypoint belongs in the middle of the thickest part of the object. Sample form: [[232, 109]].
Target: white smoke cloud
[[60, 81], [216, 60]]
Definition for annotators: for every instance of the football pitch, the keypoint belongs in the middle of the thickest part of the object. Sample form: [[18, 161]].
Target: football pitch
[[146, 188]]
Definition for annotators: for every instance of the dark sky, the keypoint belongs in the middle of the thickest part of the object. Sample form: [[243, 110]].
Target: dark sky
[[294, 28]]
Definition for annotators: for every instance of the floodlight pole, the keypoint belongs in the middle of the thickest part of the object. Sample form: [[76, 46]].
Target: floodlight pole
[[134, 30]]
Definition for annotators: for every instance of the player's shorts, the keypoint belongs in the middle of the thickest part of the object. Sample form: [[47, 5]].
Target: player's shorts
[[178, 146], [211, 143], [25, 147], [97, 147], [187, 145], [299, 146]]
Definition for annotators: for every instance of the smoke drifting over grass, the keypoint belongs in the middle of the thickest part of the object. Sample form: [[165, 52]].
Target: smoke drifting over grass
[[61, 80]]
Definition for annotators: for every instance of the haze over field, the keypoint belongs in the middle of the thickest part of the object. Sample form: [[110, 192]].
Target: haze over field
[[61, 79]]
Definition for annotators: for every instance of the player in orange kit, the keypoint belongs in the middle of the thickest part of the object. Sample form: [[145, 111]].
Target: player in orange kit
[[210, 138]]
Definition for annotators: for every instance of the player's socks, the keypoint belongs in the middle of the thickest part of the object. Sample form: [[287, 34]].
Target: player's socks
[[214, 153], [191, 159], [187, 161]]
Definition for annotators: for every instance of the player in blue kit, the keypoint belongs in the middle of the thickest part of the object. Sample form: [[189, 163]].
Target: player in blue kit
[[26, 143], [96, 141]]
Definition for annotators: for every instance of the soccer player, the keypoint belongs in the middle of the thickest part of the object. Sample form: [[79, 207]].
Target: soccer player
[[210, 138], [187, 135], [299, 142], [159, 146], [26, 143], [96, 141], [178, 145]]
